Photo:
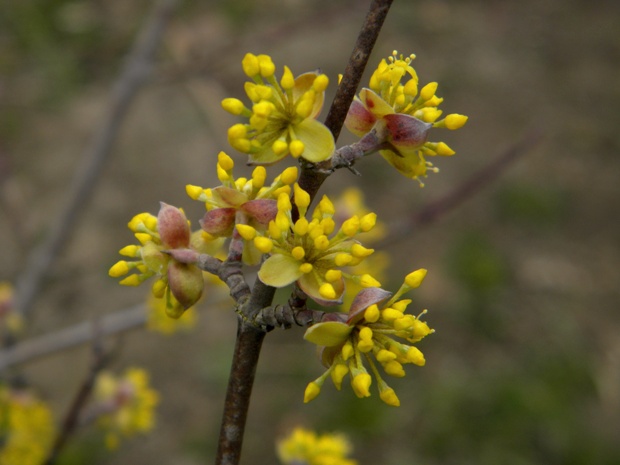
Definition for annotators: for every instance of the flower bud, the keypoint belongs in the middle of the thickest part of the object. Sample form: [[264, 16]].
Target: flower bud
[[250, 65], [289, 175], [338, 373], [389, 397], [361, 384], [312, 390], [415, 278], [455, 121]]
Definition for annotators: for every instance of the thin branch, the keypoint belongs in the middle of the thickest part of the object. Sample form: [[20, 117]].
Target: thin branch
[[357, 64], [78, 334], [70, 421], [312, 176], [81, 333], [134, 75]]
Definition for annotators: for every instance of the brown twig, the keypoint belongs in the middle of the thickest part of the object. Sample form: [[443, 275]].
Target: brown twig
[[81, 333], [133, 76], [70, 421], [67, 338], [312, 176], [249, 337]]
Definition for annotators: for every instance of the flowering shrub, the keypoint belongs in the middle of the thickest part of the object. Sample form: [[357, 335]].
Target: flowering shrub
[[257, 237], [273, 227]]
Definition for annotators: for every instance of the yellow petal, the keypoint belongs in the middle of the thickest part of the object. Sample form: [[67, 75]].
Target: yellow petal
[[328, 333], [375, 104], [279, 270], [318, 140]]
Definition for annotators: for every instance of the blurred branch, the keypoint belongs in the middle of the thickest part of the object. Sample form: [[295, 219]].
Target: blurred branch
[[81, 333], [133, 76], [207, 59], [11, 204], [71, 418], [471, 186]]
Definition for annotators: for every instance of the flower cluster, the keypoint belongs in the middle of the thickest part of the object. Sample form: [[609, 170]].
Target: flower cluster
[[308, 252], [281, 120], [181, 284], [402, 116], [305, 447], [370, 332], [26, 428], [126, 405], [241, 200]]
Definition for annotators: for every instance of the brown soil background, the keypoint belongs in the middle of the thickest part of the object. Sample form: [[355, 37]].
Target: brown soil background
[[525, 364]]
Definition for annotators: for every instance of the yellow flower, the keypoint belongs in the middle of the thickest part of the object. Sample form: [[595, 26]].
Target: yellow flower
[[179, 283], [282, 119], [241, 200], [402, 116], [309, 252], [305, 447], [369, 336], [27, 430], [127, 404], [351, 203]]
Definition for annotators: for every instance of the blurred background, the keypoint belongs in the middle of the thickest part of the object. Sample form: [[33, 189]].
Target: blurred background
[[523, 283]]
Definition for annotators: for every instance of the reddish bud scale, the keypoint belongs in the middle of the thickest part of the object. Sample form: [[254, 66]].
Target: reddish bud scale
[[172, 227], [262, 210], [219, 221], [186, 283], [405, 130]]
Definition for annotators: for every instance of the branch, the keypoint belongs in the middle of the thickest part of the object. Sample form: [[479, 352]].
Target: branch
[[250, 338], [134, 75], [78, 334], [70, 421], [312, 176], [81, 333]]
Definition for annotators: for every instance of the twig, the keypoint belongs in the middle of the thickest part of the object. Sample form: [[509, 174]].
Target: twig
[[81, 333], [243, 370], [312, 176], [250, 338], [134, 75], [70, 421], [435, 210]]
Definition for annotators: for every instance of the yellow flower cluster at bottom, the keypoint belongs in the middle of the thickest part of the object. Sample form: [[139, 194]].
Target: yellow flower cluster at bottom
[[305, 447], [26, 428], [128, 402]]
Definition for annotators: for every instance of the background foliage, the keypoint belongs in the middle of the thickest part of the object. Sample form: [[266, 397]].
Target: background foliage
[[522, 285]]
